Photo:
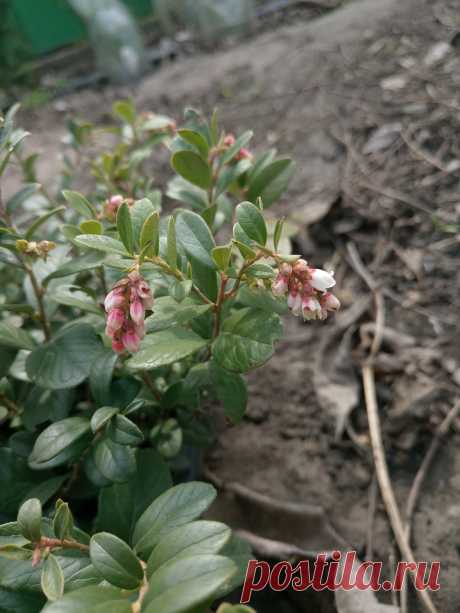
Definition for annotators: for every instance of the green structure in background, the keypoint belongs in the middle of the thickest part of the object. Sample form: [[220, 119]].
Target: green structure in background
[[46, 25]]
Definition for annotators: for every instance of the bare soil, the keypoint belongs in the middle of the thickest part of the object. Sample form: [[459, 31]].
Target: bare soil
[[321, 91]]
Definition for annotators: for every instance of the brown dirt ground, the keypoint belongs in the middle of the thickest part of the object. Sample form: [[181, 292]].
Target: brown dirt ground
[[307, 89]]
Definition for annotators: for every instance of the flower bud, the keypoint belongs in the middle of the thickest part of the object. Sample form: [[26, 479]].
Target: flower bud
[[115, 298], [229, 140], [136, 311], [311, 308], [280, 285], [243, 154], [115, 319], [131, 340], [330, 302], [117, 346], [295, 302]]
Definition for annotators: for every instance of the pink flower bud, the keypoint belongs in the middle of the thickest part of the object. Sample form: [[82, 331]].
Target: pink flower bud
[[114, 299], [131, 340], [311, 308], [321, 280], [143, 290], [243, 154], [280, 285], [136, 310], [295, 302], [116, 200], [330, 302], [285, 269], [140, 329], [115, 319], [301, 267], [148, 302], [117, 346], [229, 140]]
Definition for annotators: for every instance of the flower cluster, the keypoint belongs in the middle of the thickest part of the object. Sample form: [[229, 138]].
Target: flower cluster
[[125, 305], [242, 154], [34, 249], [306, 289]]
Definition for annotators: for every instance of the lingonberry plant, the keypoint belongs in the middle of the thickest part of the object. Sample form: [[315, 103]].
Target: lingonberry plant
[[122, 327]]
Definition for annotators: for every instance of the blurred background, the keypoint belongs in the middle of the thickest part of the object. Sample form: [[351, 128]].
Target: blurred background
[[364, 96]]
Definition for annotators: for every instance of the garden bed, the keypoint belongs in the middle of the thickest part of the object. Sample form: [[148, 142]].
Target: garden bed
[[370, 118]]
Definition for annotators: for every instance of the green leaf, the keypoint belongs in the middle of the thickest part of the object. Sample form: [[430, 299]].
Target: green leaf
[[140, 211], [234, 608], [252, 221], [176, 507], [277, 232], [101, 243], [271, 181], [66, 360], [100, 376], [166, 347], [12, 336], [73, 296], [178, 290], [67, 455], [101, 417], [230, 390], [56, 437], [20, 602], [197, 537], [197, 241], [125, 227], [89, 261], [245, 251], [121, 504], [79, 203], [29, 519], [263, 299], [168, 312], [91, 226], [41, 220], [94, 599], [193, 168], [246, 340], [63, 521], [222, 256], [124, 110], [52, 579], [124, 432], [240, 142], [197, 140], [115, 462], [116, 561], [171, 251], [150, 234], [21, 196], [187, 582]]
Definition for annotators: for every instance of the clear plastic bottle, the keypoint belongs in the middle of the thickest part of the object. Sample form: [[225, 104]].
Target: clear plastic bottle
[[114, 37]]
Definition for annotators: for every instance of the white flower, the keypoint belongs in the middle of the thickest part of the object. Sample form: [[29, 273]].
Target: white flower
[[322, 280]]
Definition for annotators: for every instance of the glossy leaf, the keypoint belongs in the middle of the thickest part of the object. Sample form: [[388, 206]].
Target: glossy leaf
[[176, 507], [79, 203], [230, 390], [12, 336], [29, 519], [56, 437], [52, 579], [166, 347], [251, 220], [197, 537], [187, 582], [116, 561], [125, 227], [66, 360], [101, 243], [192, 167]]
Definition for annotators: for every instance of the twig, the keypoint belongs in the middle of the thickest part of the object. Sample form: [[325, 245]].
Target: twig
[[65, 544], [38, 291], [148, 382], [269, 548], [218, 307], [375, 431], [422, 472], [373, 498]]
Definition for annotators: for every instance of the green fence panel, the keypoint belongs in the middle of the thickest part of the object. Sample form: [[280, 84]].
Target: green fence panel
[[46, 25]]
